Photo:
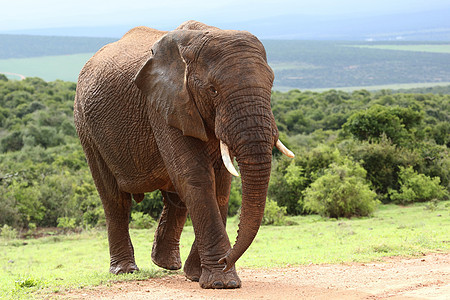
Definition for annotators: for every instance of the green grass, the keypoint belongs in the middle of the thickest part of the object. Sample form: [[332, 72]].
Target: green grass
[[49, 68], [52, 264], [415, 48], [393, 231]]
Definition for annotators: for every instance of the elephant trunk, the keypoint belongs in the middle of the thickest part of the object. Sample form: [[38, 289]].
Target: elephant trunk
[[255, 178], [251, 142]]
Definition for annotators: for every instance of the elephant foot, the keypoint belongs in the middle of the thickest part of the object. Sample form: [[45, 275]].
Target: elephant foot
[[192, 268], [215, 278], [122, 268], [167, 259]]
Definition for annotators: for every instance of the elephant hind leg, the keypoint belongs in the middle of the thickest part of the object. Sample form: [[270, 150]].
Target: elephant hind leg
[[117, 207], [166, 250]]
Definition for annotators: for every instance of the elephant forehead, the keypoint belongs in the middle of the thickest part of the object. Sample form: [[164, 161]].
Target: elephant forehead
[[231, 42]]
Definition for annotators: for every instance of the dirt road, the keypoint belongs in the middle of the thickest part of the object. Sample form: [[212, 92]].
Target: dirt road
[[427, 277]]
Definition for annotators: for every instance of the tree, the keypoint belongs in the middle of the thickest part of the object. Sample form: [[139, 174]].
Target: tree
[[394, 122]]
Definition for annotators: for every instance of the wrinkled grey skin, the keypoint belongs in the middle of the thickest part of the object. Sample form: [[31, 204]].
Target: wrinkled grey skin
[[150, 111]]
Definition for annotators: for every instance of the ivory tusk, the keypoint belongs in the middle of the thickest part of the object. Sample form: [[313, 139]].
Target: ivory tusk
[[227, 160], [284, 150]]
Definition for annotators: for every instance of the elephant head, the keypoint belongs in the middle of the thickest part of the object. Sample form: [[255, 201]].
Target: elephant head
[[216, 84]]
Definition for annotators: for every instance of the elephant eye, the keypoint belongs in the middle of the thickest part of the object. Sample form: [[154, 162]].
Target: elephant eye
[[213, 90]]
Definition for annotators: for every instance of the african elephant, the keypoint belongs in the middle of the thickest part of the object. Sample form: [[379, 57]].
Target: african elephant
[[166, 110]]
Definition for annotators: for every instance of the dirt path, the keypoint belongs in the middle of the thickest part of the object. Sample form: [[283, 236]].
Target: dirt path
[[427, 277]]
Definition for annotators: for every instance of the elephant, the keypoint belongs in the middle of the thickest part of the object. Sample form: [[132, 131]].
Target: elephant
[[169, 111]]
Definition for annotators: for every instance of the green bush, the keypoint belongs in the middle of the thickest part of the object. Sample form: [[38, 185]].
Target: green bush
[[139, 220], [7, 232], [67, 223], [416, 187], [434, 161], [9, 213], [284, 193], [291, 177], [273, 214], [28, 282], [381, 159], [152, 204], [341, 192]]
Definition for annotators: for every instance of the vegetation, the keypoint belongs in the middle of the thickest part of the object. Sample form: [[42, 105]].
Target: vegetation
[[342, 191], [358, 155], [383, 132], [52, 264], [391, 144], [417, 188]]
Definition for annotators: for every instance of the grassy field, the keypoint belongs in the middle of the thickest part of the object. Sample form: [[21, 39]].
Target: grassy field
[[49, 68], [51, 264]]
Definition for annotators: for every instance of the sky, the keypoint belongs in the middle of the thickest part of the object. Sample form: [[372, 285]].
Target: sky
[[19, 15]]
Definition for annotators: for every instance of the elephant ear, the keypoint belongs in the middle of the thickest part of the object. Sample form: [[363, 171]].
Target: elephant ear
[[163, 79]]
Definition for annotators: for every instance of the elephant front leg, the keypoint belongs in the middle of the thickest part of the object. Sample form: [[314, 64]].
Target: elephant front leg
[[192, 266], [166, 251], [211, 238], [191, 171]]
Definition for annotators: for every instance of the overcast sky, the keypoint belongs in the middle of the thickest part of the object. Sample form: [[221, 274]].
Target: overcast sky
[[37, 14]]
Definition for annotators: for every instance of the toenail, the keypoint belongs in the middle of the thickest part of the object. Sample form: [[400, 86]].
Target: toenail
[[218, 285], [232, 284]]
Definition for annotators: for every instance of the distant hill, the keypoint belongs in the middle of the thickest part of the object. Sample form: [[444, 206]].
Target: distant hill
[[335, 64], [296, 63], [24, 46]]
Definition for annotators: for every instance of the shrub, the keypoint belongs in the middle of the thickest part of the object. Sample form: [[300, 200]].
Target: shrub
[[27, 197], [416, 187], [139, 220], [341, 192], [28, 282], [434, 162], [291, 177], [67, 223], [9, 213], [381, 160], [152, 204], [8, 232], [273, 214]]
